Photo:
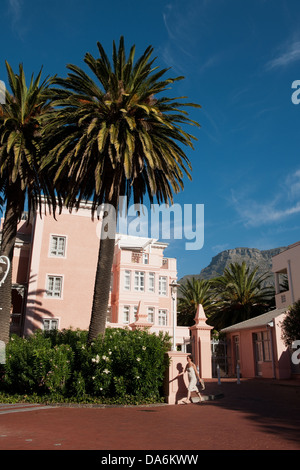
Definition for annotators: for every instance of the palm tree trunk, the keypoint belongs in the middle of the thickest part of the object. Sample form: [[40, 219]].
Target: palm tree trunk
[[103, 279], [9, 232]]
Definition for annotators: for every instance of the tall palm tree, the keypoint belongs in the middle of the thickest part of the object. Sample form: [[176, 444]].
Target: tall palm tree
[[193, 293], [241, 294], [20, 138], [112, 137]]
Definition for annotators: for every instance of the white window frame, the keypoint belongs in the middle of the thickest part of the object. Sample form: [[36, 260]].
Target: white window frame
[[127, 280], [139, 281], [54, 253], [145, 258], [135, 311], [53, 291], [163, 317], [163, 285], [52, 322], [151, 314], [126, 314], [151, 282]]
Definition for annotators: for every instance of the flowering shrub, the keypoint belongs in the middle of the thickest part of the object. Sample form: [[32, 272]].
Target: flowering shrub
[[120, 366], [33, 366]]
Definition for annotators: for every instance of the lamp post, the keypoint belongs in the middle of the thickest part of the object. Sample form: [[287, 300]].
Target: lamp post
[[174, 286]]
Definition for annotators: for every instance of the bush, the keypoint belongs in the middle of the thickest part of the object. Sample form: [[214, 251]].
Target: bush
[[121, 366], [291, 325]]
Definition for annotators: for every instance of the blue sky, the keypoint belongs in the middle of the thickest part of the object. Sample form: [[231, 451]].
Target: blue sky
[[239, 59]]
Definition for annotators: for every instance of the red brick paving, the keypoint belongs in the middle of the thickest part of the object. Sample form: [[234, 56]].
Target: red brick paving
[[254, 415]]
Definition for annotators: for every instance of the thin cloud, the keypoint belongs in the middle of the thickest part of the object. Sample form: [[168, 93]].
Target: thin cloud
[[293, 183], [290, 54], [283, 206], [19, 23], [15, 8], [181, 47]]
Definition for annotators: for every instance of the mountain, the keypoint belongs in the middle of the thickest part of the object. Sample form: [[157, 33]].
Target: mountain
[[252, 256]]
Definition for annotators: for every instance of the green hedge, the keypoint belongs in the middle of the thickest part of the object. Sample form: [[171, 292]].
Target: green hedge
[[123, 366]]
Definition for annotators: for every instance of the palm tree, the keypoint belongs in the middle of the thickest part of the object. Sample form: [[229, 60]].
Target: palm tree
[[112, 137], [191, 294], [241, 294], [20, 138]]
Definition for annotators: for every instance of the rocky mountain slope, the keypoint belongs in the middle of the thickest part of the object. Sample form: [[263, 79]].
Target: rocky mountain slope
[[252, 256]]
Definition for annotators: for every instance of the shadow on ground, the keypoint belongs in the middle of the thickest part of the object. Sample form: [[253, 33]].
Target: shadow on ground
[[273, 405]]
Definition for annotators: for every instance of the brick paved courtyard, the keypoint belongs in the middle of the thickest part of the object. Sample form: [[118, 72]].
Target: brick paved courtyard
[[253, 415]]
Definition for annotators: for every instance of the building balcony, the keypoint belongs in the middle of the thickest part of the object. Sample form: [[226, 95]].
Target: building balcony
[[283, 299]]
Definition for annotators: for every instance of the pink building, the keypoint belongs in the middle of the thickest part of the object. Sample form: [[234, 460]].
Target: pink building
[[286, 268], [54, 270], [255, 346]]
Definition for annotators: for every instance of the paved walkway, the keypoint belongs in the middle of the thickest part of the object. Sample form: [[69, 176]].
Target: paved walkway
[[252, 415]]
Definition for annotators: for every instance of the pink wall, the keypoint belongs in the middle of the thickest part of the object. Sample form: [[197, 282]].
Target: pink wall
[[288, 262], [77, 269], [278, 368], [176, 381]]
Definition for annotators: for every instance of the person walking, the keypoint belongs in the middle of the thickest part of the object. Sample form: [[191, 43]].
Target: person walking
[[192, 372]]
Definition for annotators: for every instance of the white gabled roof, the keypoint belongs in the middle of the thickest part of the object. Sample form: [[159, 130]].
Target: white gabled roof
[[260, 320]]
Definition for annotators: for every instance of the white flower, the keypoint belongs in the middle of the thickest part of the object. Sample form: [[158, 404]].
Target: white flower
[[96, 359], [138, 359], [105, 358], [144, 348], [106, 371]]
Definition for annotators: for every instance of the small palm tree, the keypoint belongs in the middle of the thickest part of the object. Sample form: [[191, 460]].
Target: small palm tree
[[20, 142], [241, 295], [112, 136], [191, 294]]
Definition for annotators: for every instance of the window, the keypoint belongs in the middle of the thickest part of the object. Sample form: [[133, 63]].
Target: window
[[57, 246], [151, 314], [139, 280], [50, 324], [54, 286], [162, 317], [162, 285], [151, 285], [127, 280], [263, 346], [135, 310], [126, 310], [145, 258]]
